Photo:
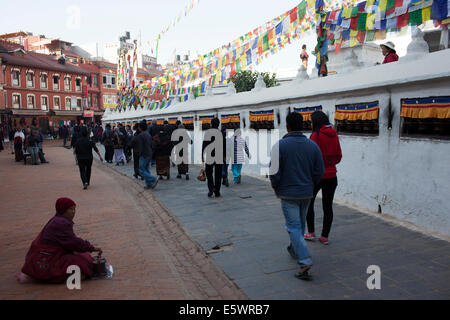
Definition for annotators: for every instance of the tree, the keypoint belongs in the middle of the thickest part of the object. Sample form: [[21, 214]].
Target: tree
[[245, 80]]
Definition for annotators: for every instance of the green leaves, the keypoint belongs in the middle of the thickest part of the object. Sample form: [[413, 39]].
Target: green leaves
[[245, 80]]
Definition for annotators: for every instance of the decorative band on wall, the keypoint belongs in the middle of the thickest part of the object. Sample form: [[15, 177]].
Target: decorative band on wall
[[160, 122], [172, 120], [421, 108], [187, 120], [367, 111], [258, 116], [306, 112], [230, 118], [205, 119]]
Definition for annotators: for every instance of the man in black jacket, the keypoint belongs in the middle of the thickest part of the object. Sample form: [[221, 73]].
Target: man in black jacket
[[213, 162], [134, 145], [83, 151], [107, 141]]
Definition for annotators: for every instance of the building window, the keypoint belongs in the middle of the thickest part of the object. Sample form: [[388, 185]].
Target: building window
[[78, 104], [30, 79], [55, 82], [15, 75], [68, 104], [44, 103], [95, 102], [56, 103], [67, 83], [357, 119], [16, 101], [44, 81], [425, 118], [30, 101], [109, 80], [95, 81], [78, 84]]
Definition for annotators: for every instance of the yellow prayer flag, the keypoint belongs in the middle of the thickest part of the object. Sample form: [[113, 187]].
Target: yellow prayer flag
[[369, 3], [426, 14], [353, 33], [312, 4], [353, 42], [243, 61], [382, 5], [346, 13], [370, 21]]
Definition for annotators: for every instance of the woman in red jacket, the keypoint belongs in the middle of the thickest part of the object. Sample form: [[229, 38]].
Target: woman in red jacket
[[327, 140]]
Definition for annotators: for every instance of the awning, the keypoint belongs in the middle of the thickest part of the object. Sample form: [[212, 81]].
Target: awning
[[306, 112], [438, 108], [29, 112], [367, 111], [187, 120], [68, 113]]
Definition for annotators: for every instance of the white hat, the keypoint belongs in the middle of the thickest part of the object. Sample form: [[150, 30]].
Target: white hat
[[389, 45]]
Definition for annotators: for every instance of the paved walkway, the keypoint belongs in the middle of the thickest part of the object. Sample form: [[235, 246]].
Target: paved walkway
[[152, 256], [247, 224]]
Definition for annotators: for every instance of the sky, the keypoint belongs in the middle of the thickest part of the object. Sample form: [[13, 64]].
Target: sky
[[210, 24]]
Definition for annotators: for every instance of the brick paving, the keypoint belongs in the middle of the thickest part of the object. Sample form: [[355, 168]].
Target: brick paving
[[247, 223], [153, 257]]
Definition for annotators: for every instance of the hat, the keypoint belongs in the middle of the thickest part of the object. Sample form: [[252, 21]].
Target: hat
[[62, 204], [389, 45]]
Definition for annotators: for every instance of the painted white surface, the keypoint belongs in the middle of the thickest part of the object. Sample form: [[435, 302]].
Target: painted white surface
[[408, 178]]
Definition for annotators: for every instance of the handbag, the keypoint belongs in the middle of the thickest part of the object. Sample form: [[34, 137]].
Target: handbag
[[202, 175]]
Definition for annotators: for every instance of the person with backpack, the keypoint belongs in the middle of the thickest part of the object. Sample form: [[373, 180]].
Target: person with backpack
[[107, 141], [325, 136]]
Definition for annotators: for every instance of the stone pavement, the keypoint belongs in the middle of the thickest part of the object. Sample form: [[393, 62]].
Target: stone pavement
[[247, 226], [153, 258]]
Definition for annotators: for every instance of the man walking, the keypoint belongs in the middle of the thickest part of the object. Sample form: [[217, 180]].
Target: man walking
[[107, 141], [300, 167], [144, 141]]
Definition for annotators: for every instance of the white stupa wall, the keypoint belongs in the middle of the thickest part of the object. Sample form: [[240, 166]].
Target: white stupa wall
[[407, 178]]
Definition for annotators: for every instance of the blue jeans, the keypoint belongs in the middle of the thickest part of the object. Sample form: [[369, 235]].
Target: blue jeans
[[295, 215], [225, 170], [236, 168], [145, 171]]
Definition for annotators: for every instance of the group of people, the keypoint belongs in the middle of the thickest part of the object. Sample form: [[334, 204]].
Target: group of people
[[24, 141], [305, 166]]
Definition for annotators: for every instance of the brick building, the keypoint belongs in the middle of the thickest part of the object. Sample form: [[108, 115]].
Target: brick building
[[38, 89]]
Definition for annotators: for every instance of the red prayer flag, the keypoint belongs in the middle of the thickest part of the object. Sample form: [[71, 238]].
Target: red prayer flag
[[354, 22], [293, 14], [361, 36], [233, 69], [338, 48], [402, 20]]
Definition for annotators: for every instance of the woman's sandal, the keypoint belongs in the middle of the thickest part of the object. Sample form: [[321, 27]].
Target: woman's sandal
[[303, 274]]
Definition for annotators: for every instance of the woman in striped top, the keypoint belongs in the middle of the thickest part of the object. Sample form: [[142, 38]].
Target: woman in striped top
[[238, 145]]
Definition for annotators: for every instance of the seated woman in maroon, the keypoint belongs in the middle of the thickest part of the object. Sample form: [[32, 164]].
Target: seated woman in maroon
[[57, 247]]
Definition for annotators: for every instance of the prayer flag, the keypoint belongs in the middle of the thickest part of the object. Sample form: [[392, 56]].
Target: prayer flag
[[370, 35], [293, 15], [265, 44], [426, 14], [362, 21], [415, 18], [301, 10], [370, 21], [402, 20], [354, 23], [440, 9]]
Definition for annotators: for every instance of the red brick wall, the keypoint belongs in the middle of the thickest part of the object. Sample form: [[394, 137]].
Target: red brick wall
[[23, 90]]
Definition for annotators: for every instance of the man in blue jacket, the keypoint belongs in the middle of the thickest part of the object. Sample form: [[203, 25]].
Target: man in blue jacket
[[300, 167]]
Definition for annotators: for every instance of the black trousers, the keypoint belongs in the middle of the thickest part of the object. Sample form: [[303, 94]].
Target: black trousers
[[136, 164], [328, 187], [109, 153], [214, 183], [85, 166]]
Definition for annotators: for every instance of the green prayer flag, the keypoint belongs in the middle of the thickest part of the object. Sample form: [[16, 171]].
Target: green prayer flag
[[265, 42], [415, 17], [370, 35], [355, 11], [362, 21], [238, 65], [390, 4], [301, 10]]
